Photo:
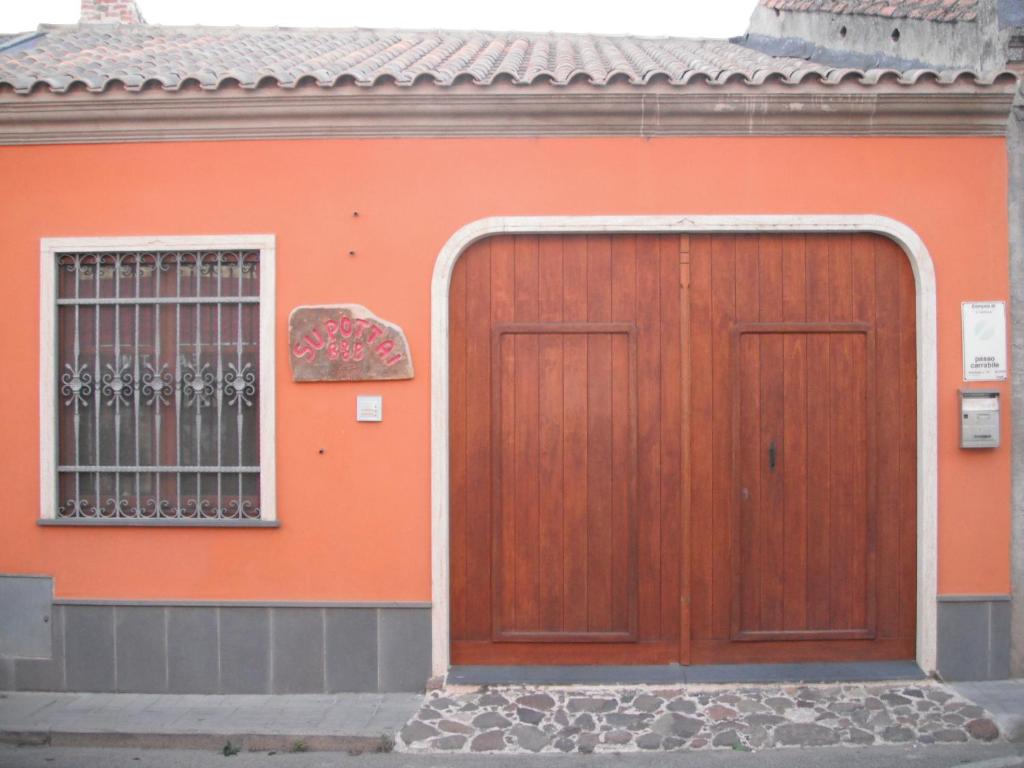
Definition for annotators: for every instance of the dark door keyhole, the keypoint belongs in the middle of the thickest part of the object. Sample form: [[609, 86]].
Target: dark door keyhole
[[771, 456]]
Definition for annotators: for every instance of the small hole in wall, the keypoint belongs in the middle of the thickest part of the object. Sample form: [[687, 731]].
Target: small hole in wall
[[842, 31], [895, 35], [778, 12]]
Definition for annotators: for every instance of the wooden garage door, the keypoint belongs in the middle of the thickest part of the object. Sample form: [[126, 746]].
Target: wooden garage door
[[682, 448]]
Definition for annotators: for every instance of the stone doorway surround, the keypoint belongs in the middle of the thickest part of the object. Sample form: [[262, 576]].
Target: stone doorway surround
[[927, 437]]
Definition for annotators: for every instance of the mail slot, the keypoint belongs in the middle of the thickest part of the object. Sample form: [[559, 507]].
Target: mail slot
[[979, 418]]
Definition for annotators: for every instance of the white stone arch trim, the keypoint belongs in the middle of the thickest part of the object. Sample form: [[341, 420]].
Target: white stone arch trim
[[927, 372]]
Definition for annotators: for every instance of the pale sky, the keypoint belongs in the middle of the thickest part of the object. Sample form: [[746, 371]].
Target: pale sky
[[680, 18]]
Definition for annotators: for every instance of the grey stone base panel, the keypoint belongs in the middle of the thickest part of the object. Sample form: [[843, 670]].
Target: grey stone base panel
[[674, 673], [612, 719], [227, 649], [974, 637]]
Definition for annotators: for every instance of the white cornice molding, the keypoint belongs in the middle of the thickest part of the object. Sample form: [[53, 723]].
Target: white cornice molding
[[772, 109]]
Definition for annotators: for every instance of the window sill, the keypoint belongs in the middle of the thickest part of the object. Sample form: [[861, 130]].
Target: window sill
[[168, 523]]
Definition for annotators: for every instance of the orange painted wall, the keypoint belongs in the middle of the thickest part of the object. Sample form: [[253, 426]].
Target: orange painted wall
[[355, 521]]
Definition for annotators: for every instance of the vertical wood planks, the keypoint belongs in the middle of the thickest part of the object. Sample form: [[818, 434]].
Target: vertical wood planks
[[749, 535], [524, 480], [908, 445], [865, 523], [772, 512], [574, 482], [686, 509], [551, 520], [457, 305], [887, 409], [623, 309], [671, 417], [477, 266], [502, 430], [648, 290], [599, 431], [818, 438], [723, 315], [701, 421], [794, 441]]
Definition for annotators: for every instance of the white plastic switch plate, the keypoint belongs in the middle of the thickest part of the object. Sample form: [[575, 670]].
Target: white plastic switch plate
[[369, 408]]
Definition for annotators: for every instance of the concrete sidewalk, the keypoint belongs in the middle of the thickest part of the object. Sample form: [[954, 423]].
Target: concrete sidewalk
[[1004, 699], [356, 722], [908, 712]]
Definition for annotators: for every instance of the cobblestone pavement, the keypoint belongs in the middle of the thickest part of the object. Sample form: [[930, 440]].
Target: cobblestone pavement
[[603, 720]]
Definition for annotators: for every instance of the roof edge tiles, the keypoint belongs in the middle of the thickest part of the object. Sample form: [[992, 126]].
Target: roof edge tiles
[[109, 58]]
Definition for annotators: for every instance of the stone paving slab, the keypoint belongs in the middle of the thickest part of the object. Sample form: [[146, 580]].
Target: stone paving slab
[[549, 719], [1004, 699], [348, 722]]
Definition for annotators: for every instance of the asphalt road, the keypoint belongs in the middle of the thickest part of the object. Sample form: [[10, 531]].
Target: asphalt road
[[971, 756]]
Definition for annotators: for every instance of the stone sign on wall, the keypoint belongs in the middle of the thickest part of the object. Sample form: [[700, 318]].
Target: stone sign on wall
[[346, 342]]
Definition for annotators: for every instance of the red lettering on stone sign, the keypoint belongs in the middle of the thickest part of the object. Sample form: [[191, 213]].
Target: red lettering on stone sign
[[304, 352], [347, 334], [318, 344]]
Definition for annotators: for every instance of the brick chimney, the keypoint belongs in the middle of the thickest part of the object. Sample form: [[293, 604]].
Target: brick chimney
[[110, 11]]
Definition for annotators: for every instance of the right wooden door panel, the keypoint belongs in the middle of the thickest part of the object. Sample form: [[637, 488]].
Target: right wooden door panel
[[803, 448]]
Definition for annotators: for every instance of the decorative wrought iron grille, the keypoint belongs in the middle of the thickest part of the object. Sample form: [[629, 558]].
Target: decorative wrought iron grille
[[158, 371]]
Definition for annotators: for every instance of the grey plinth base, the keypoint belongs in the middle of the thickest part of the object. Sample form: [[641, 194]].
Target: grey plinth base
[[674, 673], [136, 647]]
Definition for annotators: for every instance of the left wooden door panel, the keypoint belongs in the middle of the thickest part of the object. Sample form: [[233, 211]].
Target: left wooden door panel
[[565, 450]]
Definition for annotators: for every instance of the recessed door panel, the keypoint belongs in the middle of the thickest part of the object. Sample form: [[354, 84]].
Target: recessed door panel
[[803, 536], [565, 460]]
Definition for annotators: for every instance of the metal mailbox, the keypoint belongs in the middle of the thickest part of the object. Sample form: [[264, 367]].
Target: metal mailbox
[[979, 418]]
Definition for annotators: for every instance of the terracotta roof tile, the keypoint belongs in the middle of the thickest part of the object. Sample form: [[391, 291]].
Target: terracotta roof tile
[[98, 57], [934, 10]]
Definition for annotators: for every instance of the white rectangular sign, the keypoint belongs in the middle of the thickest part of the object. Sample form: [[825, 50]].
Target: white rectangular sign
[[984, 328], [369, 408]]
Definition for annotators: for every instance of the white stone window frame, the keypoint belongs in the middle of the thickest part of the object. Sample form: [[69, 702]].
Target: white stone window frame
[[50, 247]]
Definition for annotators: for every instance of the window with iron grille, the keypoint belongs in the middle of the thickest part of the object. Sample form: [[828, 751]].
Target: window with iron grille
[[157, 385]]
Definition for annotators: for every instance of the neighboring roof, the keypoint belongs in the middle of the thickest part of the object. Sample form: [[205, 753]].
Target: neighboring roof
[[97, 57], [7, 38], [931, 10]]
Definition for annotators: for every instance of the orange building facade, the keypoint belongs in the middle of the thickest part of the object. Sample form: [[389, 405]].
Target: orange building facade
[[358, 550]]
